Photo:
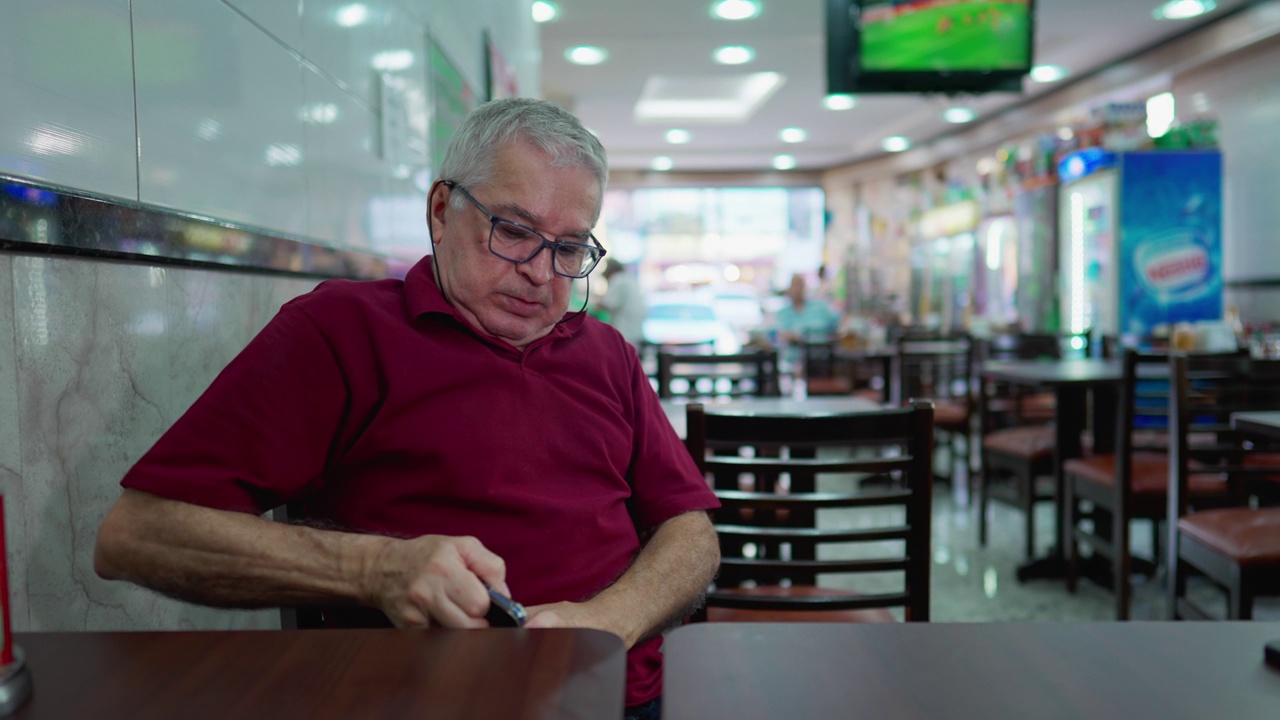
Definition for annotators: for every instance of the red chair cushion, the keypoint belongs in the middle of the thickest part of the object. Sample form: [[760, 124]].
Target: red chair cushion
[[1033, 442], [718, 614], [871, 394], [1264, 460], [828, 386], [1246, 535], [1150, 474], [950, 414]]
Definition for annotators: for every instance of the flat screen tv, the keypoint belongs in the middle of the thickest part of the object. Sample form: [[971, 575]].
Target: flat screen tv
[[928, 46]]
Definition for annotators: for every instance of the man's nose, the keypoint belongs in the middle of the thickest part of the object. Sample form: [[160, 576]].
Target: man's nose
[[538, 268]]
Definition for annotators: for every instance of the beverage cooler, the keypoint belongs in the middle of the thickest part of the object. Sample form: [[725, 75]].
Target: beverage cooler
[[1140, 240]]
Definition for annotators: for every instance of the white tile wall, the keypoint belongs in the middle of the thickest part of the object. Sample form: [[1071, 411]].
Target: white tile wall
[[281, 18], [66, 95]]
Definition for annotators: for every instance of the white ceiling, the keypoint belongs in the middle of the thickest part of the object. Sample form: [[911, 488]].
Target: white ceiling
[[676, 38]]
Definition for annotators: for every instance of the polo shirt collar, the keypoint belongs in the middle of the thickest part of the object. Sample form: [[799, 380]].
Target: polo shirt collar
[[423, 296]]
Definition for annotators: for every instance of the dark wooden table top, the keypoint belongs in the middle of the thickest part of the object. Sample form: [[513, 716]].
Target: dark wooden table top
[[344, 674], [1261, 423], [1076, 371], [770, 406], [1166, 670]]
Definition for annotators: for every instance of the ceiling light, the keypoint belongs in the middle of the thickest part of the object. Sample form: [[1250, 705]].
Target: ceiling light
[[544, 11], [895, 143], [722, 98], [586, 55], [676, 136], [958, 115], [352, 15], [734, 55], [793, 135], [735, 9], [662, 163], [1183, 9], [839, 102], [1065, 133], [784, 162], [392, 60], [1048, 73]]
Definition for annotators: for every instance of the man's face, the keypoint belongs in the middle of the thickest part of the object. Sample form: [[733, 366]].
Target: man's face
[[514, 303]]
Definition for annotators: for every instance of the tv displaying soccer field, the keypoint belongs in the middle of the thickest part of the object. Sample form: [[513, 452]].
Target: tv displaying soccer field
[[945, 35]]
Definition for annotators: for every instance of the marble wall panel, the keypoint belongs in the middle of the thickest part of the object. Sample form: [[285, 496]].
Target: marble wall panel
[[11, 450], [209, 316]]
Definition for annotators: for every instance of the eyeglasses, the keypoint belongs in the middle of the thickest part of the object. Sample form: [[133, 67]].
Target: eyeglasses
[[519, 244]]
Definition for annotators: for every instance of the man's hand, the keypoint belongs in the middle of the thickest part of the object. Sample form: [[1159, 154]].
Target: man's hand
[[566, 615], [434, 580]]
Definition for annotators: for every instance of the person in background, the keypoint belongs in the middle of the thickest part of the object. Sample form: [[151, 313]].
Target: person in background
[[803, 316], [625, 303], [456, 429]]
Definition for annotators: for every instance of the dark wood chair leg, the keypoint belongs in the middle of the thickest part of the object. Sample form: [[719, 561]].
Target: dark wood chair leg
[[1121, 564], [1072, 550]]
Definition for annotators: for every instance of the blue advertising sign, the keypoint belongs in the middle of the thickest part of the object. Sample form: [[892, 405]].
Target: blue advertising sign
[[1170, 239]]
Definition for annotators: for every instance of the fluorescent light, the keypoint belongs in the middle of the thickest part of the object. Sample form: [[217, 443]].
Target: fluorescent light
[[735, 9], [958, 115], [1160, 114], [1183, 9], [676, 136], [352, 15], [793, 135], [544, 11], [839, 102], [895, 143], [392, 60], [721, 98], [1048, 73], [734, 55], [784, 162], [662, 163], [586, 55]]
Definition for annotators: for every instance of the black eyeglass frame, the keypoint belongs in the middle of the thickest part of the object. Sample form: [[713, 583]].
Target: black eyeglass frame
[[595, 251]]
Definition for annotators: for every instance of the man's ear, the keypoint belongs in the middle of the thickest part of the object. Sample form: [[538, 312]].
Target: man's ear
[[437, 203]]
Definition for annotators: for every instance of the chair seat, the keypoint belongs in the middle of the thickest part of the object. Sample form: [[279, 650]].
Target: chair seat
[[828, 386], [719, 614], [1264, 460], [950, 414], [1248, 536], [1033, 442], [1150, 474], [871, 394]]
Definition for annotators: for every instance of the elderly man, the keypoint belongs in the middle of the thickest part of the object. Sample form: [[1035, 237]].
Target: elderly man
[[453, 430]]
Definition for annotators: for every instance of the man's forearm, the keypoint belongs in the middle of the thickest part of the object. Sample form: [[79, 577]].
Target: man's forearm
[[668, 577], [229, 559]]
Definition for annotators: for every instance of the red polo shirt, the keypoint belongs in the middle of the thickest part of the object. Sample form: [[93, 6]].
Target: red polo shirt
[[381, 409]]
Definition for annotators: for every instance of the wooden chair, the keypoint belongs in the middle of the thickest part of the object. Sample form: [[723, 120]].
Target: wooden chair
[[824, 373], [1237, 548], [1016, 449], [707, 375], [1130, 483], [940, 369], [780, 560]]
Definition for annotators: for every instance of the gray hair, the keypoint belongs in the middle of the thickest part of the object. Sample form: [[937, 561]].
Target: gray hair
[[471, 157]]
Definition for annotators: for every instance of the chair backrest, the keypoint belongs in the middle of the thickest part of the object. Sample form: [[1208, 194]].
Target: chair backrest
[[934, 369], [794, 506], [706, 375], [1021, 346]]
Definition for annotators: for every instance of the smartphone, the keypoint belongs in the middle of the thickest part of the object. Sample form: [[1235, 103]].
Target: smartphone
[[503, 611], [1272, 654]]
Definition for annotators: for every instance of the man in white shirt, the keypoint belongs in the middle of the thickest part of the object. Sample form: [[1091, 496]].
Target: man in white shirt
[[625, 303]]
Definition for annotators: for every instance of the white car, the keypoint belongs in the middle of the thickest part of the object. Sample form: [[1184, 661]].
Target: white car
[[687, 320]]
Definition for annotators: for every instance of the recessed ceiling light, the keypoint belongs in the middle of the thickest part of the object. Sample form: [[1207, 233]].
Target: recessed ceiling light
[[586, 55], [895, 143], [793, 135], [1065, 133], [958, 115], [1183, 9], [1048, 73], [392, 60], [734, 55], [735, 9], [662, 163], [784, 162], [544, 11], [839, 102], [352, 15], [676, 136]]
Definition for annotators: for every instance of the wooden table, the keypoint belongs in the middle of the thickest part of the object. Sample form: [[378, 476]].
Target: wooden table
[[1072, 382], [1045, 671], [344, 674], [1259, 424], [823, 405]]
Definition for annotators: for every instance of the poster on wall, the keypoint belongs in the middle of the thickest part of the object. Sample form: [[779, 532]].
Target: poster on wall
[[451, 100], [499, 75]]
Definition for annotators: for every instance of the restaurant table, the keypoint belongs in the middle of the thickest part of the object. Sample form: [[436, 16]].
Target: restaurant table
[[1260, 424], [383, 673], [814, 406], [983, 671], [1072, 382]]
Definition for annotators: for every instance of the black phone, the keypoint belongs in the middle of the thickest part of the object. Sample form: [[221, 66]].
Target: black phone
[[503, 611], [1272, 654]]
